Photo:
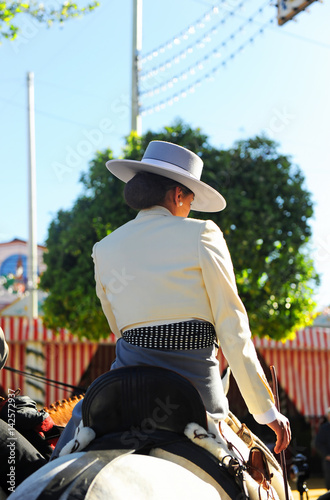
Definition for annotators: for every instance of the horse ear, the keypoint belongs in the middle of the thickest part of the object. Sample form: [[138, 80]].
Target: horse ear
[[226, 380]]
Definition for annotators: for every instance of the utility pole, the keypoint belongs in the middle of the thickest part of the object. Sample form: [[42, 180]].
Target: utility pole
[[32, 211], [35, 359], [136, 49]]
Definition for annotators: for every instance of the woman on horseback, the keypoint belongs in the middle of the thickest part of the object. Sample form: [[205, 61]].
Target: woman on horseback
[[167, 287]]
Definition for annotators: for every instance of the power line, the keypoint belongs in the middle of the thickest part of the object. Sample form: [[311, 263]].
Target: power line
[[304, 39], [47, 114]]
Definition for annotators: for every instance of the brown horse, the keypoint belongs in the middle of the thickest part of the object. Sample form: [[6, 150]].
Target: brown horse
[[61, 410]]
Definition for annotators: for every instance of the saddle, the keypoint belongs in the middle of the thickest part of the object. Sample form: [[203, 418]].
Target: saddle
[[147, 410], [141, 410], [143, 398]]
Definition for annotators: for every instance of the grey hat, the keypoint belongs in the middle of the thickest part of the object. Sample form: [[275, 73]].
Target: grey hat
[[174, 162]]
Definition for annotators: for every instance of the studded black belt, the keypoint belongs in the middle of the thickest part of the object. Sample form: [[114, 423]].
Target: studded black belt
[[184, 335]]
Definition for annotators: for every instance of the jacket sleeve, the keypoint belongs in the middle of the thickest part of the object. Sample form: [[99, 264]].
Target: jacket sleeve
[[100, 292], [232, 325]]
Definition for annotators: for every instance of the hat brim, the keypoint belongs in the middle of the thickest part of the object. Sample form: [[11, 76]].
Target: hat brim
[[207, 199]]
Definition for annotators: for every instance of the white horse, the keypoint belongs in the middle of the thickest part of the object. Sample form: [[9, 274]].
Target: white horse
[[174, 457], [129, 476]]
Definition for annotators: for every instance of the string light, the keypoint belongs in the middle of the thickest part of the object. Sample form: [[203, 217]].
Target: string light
[[185, 34], [208, 76], [199, 43], [199, 65]]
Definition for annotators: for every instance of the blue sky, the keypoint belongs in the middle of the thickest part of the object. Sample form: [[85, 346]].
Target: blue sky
[[277, 84]]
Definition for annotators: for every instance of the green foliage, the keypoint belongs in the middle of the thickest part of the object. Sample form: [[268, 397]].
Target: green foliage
[[72, 302], [10, 11], [265, 225]]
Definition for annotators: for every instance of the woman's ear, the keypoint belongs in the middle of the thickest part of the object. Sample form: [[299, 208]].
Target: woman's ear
[[178, 196]]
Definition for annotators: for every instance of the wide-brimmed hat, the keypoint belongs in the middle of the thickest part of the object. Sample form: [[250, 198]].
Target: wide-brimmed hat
[[174, 162]]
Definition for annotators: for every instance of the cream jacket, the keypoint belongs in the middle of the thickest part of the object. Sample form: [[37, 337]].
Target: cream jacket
[[162, 268]]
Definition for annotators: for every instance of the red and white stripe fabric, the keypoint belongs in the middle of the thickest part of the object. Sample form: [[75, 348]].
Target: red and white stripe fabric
[[303, 368], [21, 329], [302, 365], [66, 356]]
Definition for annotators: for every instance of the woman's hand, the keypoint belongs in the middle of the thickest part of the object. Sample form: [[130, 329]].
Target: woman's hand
[[282, 429]]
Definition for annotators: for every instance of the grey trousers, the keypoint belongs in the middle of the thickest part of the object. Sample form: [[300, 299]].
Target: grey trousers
[[200, 366]]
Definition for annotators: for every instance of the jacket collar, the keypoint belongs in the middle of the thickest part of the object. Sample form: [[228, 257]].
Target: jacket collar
[[156, 210]]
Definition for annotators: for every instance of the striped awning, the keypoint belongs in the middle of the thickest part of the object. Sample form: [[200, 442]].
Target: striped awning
[[302, 365], [66, 356], [22, 329], [303, 368]]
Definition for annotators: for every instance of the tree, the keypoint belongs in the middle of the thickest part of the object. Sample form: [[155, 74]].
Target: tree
[[265, 225], [9, 12], [69, 277]]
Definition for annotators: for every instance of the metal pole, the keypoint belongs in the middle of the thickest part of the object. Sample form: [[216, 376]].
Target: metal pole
[[136, 49], [32, 270], [35, 359]]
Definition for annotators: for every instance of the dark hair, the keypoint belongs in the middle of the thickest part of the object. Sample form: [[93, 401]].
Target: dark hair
[[145, 190]]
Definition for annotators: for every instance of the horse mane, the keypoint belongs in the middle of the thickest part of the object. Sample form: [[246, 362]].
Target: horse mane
[[61, 410]]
